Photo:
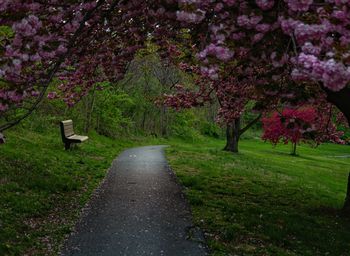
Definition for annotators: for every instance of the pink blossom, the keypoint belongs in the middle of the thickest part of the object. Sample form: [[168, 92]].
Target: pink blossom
[[263, 28], [230, 2], [220, 52], [334, 75], [265, 4], [309, 48], [52, 95], [299, 5], [3, 107], [257, 37], [190, 17]]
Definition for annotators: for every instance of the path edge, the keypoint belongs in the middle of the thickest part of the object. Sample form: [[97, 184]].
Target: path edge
[[198, 232], [84, 211]]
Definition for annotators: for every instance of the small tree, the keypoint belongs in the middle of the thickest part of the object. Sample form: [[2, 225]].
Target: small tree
[[296, 125]]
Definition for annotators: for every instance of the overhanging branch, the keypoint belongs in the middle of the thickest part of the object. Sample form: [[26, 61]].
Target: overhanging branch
[[243, 130], [54, 69]]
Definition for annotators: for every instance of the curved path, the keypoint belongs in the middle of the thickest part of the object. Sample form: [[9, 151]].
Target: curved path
[[139, 210]]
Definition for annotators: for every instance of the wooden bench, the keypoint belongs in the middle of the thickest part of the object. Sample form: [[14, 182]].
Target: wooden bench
[[68, 135]]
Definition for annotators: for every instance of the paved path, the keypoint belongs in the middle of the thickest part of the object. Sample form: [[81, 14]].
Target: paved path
[[139, 210]]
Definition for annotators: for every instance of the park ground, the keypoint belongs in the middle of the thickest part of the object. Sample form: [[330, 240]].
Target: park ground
[[260, 202]]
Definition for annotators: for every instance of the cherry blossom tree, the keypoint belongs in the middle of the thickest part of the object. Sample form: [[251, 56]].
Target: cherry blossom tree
[[290, 41], [71, 44], [270, 41], [232, 97], [309, 40]]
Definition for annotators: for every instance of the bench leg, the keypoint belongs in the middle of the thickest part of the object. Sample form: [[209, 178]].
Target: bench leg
[[67, 145]]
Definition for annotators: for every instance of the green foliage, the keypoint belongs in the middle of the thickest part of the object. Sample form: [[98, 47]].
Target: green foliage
[[110, 113], [48, 116], [131, 107], [249, 115], [210, 129], [184, 126], [252, 134], [346, 131], [6, 33]]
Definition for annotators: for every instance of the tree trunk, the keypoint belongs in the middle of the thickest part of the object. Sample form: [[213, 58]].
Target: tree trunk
[[234, 132], [89, 110], [341, 99], [164, 122], [143, 123], [346, 207], [232, 135], [294, 149]]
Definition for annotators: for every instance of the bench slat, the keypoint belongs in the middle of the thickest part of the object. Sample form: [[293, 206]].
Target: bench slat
[[68, 136], [68, 128], [78, 137], [68, 132]]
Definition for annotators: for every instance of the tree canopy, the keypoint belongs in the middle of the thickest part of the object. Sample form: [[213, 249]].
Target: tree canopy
[[289, 51]]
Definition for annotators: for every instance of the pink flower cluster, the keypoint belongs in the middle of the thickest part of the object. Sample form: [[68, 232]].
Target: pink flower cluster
[[52, 95], [220, 52], [306, 32], [332, 74], [249, 22], [229, 2], [309, 48], [7, 97], [299, 5], [190, 17], [28, 26], [211, 72], [265, 4]]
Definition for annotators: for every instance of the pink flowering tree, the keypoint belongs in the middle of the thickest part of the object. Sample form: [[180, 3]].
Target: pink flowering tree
[[290, 41], [270, 41], [69, 44], [232, 96], [300, 125]]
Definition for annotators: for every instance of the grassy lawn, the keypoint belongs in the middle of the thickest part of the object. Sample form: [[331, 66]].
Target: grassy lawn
[[264, 201], [43, 187], [260, 202]]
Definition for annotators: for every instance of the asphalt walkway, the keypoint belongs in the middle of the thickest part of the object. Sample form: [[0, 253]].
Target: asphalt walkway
[[138, 210]]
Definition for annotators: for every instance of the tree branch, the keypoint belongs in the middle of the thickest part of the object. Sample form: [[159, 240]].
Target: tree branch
[[54, 69], [243, 130]]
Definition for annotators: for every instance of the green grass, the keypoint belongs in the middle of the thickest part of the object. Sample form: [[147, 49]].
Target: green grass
[[260, 202], [265, 201], [43, 187]]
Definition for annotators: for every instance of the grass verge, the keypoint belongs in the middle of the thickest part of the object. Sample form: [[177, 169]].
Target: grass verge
[[43, 187], [264, 201]]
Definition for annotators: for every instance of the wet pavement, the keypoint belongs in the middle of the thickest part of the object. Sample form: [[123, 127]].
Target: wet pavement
[[138, 210]]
